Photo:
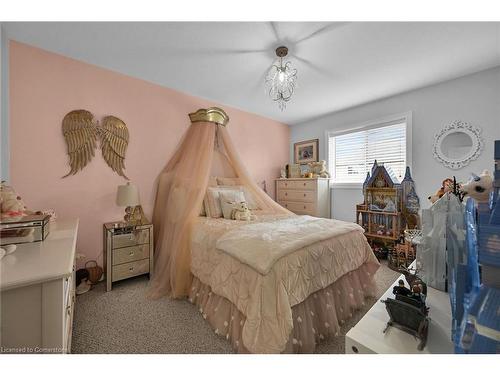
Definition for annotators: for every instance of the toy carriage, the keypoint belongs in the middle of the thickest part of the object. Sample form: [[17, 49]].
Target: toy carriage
[[407, 310]]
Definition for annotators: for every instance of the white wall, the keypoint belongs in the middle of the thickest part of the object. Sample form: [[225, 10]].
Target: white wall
[[474, 98], [4, 105]]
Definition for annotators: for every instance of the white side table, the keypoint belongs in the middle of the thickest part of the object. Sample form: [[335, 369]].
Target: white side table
[[367, 336]]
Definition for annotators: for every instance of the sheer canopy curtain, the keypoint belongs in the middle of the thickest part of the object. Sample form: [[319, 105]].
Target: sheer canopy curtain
[[264, 201], [181, 188]]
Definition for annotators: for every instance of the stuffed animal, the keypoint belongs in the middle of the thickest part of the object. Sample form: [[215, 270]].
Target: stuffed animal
[[479, 187], [13, 207], [446, 186], [11, 204], [241, 212], [435, 197], [318, 169]]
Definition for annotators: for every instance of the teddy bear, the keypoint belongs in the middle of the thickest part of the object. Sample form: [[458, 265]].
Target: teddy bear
[[12, 205], [318, 169], [241, 212], [479, 187]]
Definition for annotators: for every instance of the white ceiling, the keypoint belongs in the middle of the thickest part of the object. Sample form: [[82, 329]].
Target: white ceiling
[[339, 65]]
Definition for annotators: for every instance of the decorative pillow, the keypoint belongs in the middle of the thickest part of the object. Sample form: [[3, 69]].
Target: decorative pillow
[[212, 203], [251, 203], [212, 182], [228, 181], [227, 200]]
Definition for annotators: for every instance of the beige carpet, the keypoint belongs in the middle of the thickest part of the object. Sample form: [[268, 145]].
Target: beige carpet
[[124, 321]]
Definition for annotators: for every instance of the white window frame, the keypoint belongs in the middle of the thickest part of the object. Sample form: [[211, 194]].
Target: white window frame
[[406, 117]]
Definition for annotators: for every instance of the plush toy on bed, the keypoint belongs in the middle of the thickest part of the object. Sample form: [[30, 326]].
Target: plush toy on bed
[[241, 212], [479, 187]]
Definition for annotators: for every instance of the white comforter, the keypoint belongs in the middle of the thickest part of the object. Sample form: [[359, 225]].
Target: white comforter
[[266, 299], [260, 245]]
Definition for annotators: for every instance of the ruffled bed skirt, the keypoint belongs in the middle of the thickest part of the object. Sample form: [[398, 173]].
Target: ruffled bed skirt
[[316, 318]]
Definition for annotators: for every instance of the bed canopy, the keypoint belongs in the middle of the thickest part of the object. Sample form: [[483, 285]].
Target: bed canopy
[[181, 189]]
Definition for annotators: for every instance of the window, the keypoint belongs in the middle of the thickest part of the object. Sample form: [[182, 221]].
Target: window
[[351, 154]]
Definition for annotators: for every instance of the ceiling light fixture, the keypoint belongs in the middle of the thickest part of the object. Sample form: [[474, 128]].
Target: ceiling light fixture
[[281, 79]]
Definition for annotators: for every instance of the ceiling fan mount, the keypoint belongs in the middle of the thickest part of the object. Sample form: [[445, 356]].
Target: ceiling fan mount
[[281, 51]]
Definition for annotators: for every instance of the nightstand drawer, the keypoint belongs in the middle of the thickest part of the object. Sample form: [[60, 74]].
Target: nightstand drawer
[[136, 237], [300, 208], [130, 254], [126, 270], [297, 184], [297, 195]]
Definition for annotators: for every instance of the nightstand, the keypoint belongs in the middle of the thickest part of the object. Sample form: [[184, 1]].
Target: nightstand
[[128, 251]]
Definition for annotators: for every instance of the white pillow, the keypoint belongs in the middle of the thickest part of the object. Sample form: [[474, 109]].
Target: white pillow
[[212, 203], [227, 200], [251, 203], [212, 181]]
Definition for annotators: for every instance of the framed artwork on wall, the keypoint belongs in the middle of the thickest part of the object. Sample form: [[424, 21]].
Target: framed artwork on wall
[[306, 151]]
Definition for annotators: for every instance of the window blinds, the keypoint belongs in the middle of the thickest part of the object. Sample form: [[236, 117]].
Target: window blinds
[[351, 155]]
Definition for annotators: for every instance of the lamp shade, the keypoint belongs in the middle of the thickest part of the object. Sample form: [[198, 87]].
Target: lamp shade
[[127, 195]]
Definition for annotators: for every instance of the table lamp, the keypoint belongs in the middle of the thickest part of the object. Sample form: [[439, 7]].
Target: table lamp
[[128, 196]]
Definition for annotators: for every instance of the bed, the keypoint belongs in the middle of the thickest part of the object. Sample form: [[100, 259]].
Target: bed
[[277, 284], [280, 283]]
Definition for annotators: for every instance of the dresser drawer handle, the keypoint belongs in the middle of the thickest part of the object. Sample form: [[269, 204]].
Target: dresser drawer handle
[[131, 253], [286, 194], [305, 183], [304, 207], [305, 194], [131, 269]]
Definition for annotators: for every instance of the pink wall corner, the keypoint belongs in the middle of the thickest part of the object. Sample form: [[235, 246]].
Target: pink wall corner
[[45, 86]]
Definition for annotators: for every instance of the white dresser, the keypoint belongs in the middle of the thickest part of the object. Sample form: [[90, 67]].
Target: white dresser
[[37, 293], [304, 196]]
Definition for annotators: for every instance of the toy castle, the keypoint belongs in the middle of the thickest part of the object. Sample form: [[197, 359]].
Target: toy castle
[[388, 209], [475, 287]]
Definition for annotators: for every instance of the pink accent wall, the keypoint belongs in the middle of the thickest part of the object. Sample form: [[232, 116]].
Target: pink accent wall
[[45, 86]]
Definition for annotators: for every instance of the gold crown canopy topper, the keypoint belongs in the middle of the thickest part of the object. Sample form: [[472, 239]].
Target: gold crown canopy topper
[[81, 132], [212, 114]]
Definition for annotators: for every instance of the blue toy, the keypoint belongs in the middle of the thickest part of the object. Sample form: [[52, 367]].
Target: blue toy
[[475, 285]]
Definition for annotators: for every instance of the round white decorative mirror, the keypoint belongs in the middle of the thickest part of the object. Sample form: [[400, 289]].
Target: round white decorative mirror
[[457, 144]]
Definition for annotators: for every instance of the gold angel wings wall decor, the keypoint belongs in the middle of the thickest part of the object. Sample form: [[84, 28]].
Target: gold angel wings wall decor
[[81, 132]]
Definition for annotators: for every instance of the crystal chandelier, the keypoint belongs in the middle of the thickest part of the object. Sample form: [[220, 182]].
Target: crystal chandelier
[[281, 79]]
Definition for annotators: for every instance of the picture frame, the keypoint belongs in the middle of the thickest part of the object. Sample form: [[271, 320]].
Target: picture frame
[[306, 151], [293, 171]]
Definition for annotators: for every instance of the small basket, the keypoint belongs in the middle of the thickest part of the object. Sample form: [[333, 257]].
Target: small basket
[[95, 272]]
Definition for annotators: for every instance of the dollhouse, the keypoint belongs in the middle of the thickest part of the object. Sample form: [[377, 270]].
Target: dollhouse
[[389, 208]]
